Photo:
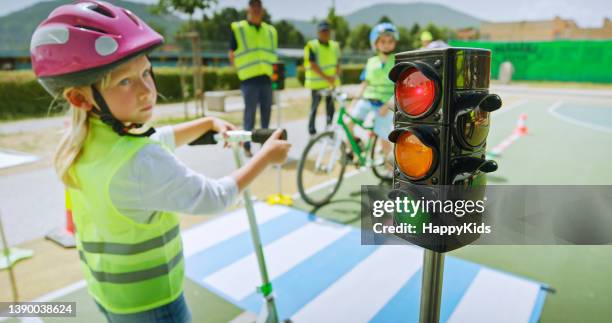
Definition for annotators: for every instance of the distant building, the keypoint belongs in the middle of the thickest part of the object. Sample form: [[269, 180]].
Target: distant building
[[467, 33], [543, 30]]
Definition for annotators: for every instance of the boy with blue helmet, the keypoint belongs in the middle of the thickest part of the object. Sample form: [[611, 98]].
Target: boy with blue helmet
[[382, 28], [376, 91]]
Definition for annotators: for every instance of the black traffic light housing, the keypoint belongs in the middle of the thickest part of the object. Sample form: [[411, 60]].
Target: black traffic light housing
[[451, 127], [278, 76]]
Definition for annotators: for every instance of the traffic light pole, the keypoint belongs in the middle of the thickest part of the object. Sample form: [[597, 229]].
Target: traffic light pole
[[440, 129], [279, 183], [278, 83], [431, 287]]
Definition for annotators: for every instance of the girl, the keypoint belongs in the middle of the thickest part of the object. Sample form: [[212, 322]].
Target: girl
[[123, 180]]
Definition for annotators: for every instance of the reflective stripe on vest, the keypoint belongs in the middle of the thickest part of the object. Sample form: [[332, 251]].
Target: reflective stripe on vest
[[130, 248], [327, 60], [256, 49], [129, 266], [133, 276], [377, 75]]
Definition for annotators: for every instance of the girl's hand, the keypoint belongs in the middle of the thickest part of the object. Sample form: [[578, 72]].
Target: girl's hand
[[222, 126], [274, 149]]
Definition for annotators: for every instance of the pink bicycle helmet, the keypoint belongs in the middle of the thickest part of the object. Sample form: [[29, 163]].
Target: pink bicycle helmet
[[81, 42]]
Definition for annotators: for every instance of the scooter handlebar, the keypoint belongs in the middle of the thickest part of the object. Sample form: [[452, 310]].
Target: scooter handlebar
[[257, 136], [261, 135], [205, 139]]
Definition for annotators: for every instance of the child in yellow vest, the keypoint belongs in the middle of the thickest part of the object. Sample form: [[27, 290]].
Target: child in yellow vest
[[125, 184], [376, 93]]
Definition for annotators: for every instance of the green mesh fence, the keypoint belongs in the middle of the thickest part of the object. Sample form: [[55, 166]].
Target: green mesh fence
[[562, 60]]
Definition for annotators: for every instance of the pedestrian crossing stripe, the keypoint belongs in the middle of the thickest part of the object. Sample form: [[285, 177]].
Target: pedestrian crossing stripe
[[321, 272], [12, 158]]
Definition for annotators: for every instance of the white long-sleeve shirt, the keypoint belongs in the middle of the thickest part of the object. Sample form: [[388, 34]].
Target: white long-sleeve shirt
[[155, 180]]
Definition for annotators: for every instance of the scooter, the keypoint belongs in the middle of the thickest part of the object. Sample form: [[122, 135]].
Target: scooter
[[268, 312]]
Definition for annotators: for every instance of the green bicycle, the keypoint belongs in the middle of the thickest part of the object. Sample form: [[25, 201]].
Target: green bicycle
[[323, 163]]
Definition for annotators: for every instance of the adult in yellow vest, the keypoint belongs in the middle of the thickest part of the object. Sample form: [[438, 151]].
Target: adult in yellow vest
[[322, 70], [253, 45]]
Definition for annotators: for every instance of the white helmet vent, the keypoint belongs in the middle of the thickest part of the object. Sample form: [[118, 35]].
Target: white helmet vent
[[49, 35], [106, 45]]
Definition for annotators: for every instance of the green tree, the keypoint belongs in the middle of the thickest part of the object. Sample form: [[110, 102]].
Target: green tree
[[406, 40], [339, 26], [384, 18], [189, 7], [435, 31], [185, 6], [216, 28], [359, 38], [159, 28], [415, 29], [288, 35]]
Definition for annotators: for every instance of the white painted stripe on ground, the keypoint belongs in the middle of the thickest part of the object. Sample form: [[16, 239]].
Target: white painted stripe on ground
[[553, 110], [497, 150], [496, 297], [240, 279], [364, 291], [54, 295], [210, 233], [10, 159]]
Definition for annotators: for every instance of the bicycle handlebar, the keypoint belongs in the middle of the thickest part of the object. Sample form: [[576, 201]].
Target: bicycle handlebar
[[335, 93], [257, 136]]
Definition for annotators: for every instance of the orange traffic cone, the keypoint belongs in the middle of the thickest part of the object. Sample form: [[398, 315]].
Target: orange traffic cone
[[69, 223], [521, 125], [64, 236]]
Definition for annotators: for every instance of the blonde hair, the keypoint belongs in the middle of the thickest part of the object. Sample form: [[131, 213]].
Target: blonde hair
[[71, 144]]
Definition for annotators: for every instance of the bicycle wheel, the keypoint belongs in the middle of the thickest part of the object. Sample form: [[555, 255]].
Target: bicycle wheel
[[382, 165], [321, 168]]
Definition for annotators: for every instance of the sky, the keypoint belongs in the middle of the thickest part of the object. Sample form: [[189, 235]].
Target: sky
[[587, 13]]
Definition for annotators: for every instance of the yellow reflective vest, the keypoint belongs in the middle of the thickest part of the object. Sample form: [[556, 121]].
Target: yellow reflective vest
[[129, 266], [256, 49], [380, 87], [327, 60]]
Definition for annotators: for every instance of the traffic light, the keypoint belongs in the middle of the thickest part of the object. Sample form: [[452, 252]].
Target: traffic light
[[441, 125], [278, 76]]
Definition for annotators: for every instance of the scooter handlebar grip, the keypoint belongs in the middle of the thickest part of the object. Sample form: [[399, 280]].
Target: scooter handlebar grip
[[206, 139], [261, 135]]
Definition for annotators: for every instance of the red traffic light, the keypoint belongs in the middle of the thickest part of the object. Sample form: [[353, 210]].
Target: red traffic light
[[415, 93]]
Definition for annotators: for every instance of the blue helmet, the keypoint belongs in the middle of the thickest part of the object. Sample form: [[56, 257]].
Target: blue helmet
[[382, 28]]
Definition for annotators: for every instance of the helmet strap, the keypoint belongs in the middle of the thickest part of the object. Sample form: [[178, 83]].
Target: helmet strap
[[107, 117]]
